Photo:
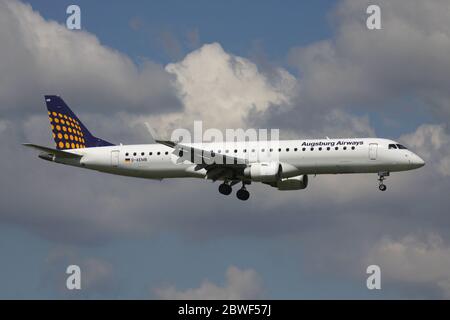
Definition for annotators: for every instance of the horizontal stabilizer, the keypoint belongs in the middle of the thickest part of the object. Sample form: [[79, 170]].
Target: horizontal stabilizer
[[57, 153]]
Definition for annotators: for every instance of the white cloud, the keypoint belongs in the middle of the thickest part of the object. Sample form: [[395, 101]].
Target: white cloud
[[240, 284], [213, 83], [414, 261]]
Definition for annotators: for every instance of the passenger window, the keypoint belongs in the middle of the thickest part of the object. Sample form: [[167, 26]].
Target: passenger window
[[235, 150], [303, 149], [336, 148], [279, 149], [167, 153], [158, 153], [126, 154], [245, 150], [320, 149], [353, 148], [271, 149], [295, 149], [287, 149], [150, 153], [312, 149], [328, 148], [345, 148], [142, 153], [262, 150], [134, 154]]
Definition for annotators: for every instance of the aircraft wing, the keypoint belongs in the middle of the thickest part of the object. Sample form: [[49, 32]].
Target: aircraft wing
[[216, 165], [57, 153]]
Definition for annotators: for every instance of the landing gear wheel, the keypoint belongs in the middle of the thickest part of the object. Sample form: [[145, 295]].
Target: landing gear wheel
[[225, 189], [242, 194], [381, 177]]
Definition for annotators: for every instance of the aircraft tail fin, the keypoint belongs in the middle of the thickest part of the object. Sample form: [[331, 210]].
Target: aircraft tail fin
[[68, 131]]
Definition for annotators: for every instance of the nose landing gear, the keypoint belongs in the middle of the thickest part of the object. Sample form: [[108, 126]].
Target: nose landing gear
[[381, 177]]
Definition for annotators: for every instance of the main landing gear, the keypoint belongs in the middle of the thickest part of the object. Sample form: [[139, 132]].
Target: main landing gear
[[381, 177], [225, 189], [241, 194]]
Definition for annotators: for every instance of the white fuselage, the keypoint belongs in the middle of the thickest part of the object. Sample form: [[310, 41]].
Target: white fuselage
[[297, 157]]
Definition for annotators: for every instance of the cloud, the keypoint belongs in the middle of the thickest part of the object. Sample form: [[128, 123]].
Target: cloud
[[212, 82], [412, 260], [43, 57], [240, 284], [433, 143], [363, 69]]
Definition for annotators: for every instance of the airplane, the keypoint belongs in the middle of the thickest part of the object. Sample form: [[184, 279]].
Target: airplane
[[282, 164]]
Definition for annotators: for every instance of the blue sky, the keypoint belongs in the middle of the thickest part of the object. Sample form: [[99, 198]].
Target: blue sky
[[236, 25], [145, 235]]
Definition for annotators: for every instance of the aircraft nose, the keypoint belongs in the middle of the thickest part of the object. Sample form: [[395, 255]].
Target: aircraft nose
[[417, 161]]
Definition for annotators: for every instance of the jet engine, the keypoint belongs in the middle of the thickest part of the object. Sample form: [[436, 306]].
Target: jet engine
[[264, 171], [294, 183]]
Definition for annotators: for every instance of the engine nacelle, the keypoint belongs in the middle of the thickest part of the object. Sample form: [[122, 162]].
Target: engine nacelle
[[294, 183], [264, 171]]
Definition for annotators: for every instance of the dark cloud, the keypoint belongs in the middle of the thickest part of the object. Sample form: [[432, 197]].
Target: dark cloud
[[360, 69]]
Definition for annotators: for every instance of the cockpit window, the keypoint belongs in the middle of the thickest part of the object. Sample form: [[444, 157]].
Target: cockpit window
[[401, 146], [392, 146]]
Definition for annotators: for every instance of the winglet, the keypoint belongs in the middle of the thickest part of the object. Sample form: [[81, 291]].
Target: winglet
[[151, 131], [157, 139]]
